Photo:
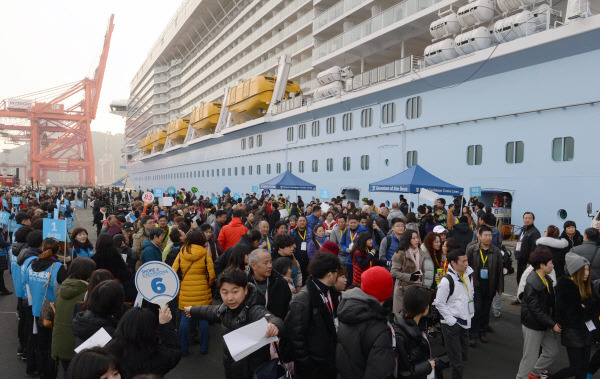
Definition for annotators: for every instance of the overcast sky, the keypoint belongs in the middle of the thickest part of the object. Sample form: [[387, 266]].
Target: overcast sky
[[49, 43]]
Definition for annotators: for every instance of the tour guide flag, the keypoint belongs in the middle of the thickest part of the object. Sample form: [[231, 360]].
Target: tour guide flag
[[53, 228], [157, 282]]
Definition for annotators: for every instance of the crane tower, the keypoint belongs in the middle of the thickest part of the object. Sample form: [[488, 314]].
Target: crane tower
[[56, 124]]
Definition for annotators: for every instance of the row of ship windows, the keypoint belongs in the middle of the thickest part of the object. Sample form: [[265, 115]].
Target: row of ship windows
[[388, 115], [346, 164], [563, 150]]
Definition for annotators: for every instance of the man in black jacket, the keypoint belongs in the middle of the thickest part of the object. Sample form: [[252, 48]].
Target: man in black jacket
[[269, 283], [488, 279], [365, 348], [526, 245], [311, 324], [537, 317], [242, 305], [589, 250]]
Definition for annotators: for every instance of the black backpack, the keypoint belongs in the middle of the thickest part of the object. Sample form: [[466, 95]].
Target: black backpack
[[451, 281], [507, 261]]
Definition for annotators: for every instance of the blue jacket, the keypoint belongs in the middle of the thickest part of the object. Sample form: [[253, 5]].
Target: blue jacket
[[350, 236], [37, 284], [15, 271], [312, 248], [392, 247], [150, 252], [84, 252], [311, 221]]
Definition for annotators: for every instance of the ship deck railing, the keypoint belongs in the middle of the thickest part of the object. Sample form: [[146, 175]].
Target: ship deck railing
[[366, 79]]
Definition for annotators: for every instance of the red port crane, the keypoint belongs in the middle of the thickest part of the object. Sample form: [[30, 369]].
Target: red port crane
[[56, 123]]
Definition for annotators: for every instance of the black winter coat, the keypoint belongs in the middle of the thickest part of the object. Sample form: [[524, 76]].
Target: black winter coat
[[311, 334], [279, 294], [576, 240], [559, 248], [86, 323], [494, 264], [364, 348], [571, 316], [528, 237], [165, 355], [536, 311], [412, 348], [463, 233], [251, 310]]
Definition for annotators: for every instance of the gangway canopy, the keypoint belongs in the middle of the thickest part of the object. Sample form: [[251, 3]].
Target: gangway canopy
[[412, 180], [118, 183], [288, 181]]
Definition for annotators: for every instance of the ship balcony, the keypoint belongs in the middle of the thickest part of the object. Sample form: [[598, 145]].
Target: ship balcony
[[379, 36], [333, 20], [241, 56], [258, 28]]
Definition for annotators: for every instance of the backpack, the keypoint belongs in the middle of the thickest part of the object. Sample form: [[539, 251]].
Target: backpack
[[451, 281], [507, 261]]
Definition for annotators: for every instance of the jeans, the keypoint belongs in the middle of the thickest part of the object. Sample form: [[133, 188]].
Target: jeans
[[481, 319], [184, 327], [497, 304], [22, 326], [349, 274], [532, 361], [521, 266], [456, 339], [579, 360]]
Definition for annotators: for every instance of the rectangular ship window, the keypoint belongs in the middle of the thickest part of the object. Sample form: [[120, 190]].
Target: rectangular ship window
[[474, 155]]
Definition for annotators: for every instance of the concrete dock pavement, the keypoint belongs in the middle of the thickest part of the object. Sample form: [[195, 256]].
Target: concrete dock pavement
[[498, 359]]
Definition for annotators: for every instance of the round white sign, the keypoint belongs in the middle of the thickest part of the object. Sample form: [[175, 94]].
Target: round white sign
[[157, 282], [148, 197]]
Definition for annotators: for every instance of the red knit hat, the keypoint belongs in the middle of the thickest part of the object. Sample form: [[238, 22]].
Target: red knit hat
[[330, 247], [377, 282]]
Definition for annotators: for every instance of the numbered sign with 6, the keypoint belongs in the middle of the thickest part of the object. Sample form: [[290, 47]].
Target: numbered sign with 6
[[157, 282]]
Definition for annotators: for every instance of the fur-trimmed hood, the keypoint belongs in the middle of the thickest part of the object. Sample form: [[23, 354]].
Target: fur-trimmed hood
[[557, 243]]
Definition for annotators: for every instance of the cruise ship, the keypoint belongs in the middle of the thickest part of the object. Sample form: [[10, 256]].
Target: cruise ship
[[497, 94]]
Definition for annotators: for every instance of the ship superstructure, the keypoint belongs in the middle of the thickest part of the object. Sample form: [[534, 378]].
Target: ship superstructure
[[480, 93]]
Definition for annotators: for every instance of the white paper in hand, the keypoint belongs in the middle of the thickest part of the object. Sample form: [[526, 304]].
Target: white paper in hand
[[100, 338], [247, 339]]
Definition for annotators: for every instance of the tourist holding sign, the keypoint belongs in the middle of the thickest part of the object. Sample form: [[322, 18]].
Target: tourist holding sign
[[237, 292]]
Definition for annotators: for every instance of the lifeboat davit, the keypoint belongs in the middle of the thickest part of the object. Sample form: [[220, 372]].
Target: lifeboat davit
[[249, 100], [205, 117], [177, 129], [158, 139]]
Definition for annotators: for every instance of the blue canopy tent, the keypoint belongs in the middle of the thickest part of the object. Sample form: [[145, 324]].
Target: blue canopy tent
[[414, 179], [118, 183], [288, 181]]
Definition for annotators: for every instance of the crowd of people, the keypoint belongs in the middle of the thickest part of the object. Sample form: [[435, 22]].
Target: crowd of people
[[350, 290]]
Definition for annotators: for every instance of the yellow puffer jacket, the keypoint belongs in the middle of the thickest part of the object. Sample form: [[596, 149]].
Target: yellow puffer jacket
[[194, 288]]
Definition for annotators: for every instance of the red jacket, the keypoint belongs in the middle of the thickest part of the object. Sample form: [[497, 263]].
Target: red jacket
[[231, 233]]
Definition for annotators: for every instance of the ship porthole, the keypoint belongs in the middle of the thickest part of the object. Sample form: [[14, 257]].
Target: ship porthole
[[387, 162], [562, 214]]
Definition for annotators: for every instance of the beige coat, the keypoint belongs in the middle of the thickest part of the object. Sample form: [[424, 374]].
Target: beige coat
[[403, 265]]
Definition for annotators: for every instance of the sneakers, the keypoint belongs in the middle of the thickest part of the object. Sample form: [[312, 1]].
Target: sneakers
[[20, 350], [497, 314], [5, 292], [533, 377]]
